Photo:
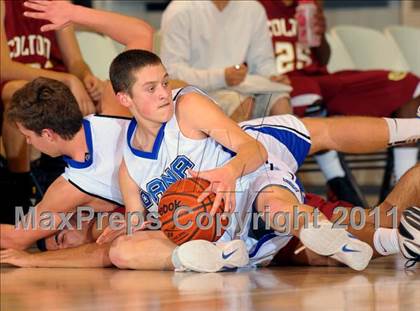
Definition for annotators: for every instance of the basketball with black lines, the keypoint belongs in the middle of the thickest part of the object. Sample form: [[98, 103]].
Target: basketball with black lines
[[184, 219]]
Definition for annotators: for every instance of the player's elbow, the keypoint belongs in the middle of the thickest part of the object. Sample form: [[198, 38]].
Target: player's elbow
[[143, 37]]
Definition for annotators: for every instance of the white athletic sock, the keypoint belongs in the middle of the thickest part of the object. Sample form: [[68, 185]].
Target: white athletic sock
[[385, 241], [403, 130], [330, 164], [404, 159]]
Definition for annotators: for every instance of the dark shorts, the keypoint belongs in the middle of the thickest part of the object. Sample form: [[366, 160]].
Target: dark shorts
[[376, 93]]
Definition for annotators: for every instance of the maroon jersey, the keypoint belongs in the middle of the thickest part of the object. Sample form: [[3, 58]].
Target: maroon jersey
[[290, 55], [27, 44]]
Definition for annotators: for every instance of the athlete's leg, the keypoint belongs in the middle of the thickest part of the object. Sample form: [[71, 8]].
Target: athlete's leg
[[288, 215], [281, 106], [360, 134], [244, 110], [152, 250], [144, 250], [16, 148], [378, 227]]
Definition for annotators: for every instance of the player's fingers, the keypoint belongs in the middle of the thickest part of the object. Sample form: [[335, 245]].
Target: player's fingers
[[103, 238], [3, 254], [94, 93], [35, 15], [109, 237], [227, 202], [216, 203], [232, 202], [41, 2], [193, 173], [34, 6], [206, 192], [49, 27]]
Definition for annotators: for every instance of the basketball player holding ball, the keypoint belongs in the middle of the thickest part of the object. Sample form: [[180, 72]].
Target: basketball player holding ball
[[182, 133]]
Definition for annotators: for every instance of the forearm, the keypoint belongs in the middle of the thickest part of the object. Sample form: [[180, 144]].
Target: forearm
[[79, 68], [249, 157], [131, 32], [21, 238], [11, 70], [85, 256]]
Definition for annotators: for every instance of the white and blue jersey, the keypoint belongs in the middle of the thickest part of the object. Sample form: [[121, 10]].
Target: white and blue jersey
[[287, 142], [98, 174]]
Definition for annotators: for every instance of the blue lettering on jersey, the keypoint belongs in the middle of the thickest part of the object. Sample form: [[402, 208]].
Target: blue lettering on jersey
[[169, 177], [176, 170], [180, 166], [145, 198]]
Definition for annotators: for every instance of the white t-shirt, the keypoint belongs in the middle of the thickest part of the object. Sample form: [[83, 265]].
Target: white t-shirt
[[199, 41]]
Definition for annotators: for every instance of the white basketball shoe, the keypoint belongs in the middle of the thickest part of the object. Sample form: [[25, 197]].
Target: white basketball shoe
[[205, 256], [337, 243]]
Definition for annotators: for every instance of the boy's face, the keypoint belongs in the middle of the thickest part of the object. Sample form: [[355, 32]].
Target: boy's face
[[44, 142], [151, 95], [69, 238]]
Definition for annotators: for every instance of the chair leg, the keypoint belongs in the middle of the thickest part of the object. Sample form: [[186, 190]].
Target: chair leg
[[350, 177], [386, 182]]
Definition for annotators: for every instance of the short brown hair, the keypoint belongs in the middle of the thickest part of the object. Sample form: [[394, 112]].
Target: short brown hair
[[46, 104], [123, 66]]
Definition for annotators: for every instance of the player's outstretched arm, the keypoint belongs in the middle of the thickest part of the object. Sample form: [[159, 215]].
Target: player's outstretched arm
[[43, 219], [129, 31], [200, 115], [85, 256]]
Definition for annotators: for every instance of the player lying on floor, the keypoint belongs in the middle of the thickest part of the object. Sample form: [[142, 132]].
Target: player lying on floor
[[77, 248], [316, 131]]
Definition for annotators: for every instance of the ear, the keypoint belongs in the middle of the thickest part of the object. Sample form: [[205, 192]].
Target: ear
[[49, 134], [124, 99]]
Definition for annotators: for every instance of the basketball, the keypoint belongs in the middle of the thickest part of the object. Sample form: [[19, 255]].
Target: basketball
[[183, 219]]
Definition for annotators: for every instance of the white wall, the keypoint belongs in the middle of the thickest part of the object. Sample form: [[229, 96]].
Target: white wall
[[130, 7], [374, 17]]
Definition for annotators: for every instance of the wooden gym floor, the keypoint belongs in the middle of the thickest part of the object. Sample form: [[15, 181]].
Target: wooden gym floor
[[384, 285]]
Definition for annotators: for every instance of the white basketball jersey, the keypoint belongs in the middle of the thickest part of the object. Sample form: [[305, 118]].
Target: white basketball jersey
[[173, 153], [98, 174]]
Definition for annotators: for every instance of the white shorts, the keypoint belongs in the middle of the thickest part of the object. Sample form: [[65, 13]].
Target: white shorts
[[287, 142]]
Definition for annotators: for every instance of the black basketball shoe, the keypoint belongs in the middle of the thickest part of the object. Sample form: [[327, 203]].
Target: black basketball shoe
[[409, 235]]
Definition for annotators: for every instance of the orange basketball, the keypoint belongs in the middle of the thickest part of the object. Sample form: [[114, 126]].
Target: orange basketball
[[183, 219]]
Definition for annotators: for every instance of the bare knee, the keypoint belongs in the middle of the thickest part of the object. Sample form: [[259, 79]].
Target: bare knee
[[244, 110], [281, 106], [119, 252], [9, 89]]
